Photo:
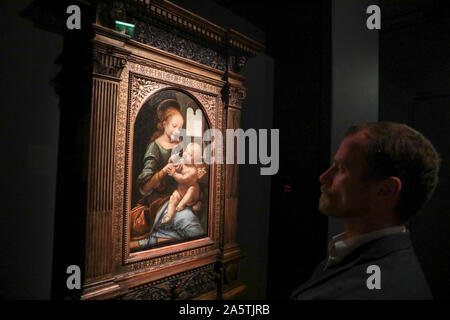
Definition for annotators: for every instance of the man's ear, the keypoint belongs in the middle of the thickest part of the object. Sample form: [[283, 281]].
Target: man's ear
[[390, 187]]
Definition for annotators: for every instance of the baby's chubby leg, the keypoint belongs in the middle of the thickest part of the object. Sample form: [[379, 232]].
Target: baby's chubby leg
[[189, 198], [171, 209]]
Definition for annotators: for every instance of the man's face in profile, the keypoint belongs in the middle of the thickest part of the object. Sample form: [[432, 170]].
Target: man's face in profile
[[344, 193]]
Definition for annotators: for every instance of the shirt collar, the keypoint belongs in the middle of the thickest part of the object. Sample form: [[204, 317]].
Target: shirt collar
[[338, 248]]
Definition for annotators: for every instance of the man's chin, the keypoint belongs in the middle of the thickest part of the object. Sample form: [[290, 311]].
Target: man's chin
[[328, 211]]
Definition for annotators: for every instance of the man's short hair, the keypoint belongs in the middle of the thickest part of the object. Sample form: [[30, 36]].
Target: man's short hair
[[395, 149]]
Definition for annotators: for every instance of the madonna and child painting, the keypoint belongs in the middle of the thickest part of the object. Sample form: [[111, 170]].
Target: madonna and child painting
[[170, 182]]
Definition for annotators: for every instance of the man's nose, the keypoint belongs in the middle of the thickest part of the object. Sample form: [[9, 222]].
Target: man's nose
[[325, 178]]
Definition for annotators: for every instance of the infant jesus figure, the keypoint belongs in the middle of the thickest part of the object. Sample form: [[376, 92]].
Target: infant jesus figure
[[186, 172]]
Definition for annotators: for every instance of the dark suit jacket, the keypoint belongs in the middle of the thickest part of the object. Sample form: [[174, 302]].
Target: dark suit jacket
[[401, 274]]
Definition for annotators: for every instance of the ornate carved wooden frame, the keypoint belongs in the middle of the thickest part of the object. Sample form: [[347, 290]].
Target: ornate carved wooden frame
[[126, 73]]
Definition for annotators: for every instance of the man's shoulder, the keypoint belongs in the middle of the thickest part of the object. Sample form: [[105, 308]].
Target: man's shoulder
[[386, 268], [395, 275]]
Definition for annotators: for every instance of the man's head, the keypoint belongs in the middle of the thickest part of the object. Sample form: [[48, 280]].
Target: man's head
[[380, 167]]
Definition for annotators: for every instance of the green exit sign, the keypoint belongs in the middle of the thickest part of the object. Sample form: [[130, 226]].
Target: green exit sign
[[124, 27]]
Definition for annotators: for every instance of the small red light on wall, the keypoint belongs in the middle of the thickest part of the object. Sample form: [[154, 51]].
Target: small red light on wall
[[287, 188]]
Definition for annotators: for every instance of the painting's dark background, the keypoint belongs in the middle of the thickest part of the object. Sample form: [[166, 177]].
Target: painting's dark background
[[310, 82]]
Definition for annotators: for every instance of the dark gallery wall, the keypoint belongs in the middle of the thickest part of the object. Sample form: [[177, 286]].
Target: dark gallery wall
[[299, 37], [222, 13], [354, 74], [414, 89], [254, 188], [29, 127]]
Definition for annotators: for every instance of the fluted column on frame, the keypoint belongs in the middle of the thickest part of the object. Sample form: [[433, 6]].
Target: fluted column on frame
[[107, 68], [233, 96]]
